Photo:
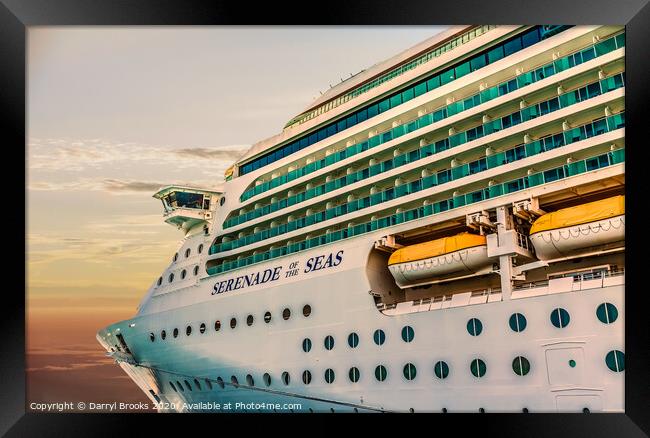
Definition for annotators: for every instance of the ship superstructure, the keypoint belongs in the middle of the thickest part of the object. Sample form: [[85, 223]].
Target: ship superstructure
[[444, 231]]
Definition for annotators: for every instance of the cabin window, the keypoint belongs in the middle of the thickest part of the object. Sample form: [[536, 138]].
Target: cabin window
[[329, 375], [267, 317], [250, 320], [175, 333], [234, 381], [159, 281], [267, 379], [163, 335], [220, 382], [474, 327], [408, 334], [306, 377], [197, 384], [409, 371], [152, 337], [202, 328], [188, 330], [521, 366], [217, 325], [441, 369], [183, 273], [353, 340], [196, 270], [329, 342], [286, 378], [354, 374], [171, 277], [560, 318], [517, 322], [249, 380], [188, 251], [381, 373], [478, 368], [306, 345], [607, 313], [200, 249], [286, 314], [379, 337], [306, 311], [233, 323], [175, 256], [615, 360]]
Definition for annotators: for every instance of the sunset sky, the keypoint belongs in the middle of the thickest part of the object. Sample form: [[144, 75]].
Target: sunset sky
[[113, 114]]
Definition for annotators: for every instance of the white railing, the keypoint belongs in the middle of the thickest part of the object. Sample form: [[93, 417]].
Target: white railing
[[480, 296]]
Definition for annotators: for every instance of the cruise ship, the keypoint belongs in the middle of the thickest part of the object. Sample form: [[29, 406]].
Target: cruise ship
[[441, 232]]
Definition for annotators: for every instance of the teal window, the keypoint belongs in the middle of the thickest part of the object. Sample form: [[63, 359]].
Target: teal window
[[474, 326], [615, 360], [409, 371], [521, 366], [306, 377], [329, 342], [560, 318], [441, 369], [408, 334], [286, 379], [354, 374], [381, 373], [306, 345], [353, 340], [517, 322], [607, 313], [379, 337], [478, 368], [329, 375], [267, 379]]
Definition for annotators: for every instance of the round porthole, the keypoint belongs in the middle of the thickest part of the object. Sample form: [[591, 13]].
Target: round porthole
[[175, 333], [329, 342], [478, 368], [285, 378], [408, 334], [306, 377], [159, 283], [306, 345], [217, 325], [175, 256], [354, 374], [171, 277], [200, 249], [267, 317], [306, 310], [286, 314], [560, 318], [249, 320], [249, 380], [353, 340], [196, 270], [188, 330], [222, 200], [409, 371], [183, 274], [163, 335], [152, 337], [615, 360], [329, 375], [267, 379], [441, 369], [202, 328], [188, 251], [474, 327], [607, 313], [521, 366], [379, 337], [381, 373], [233, 323], [517, 322]]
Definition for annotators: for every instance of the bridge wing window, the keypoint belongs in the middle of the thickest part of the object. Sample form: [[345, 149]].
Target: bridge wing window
[[185, 200]]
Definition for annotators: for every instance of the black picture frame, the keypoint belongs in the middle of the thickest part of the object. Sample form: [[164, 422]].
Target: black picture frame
[[17, 15]]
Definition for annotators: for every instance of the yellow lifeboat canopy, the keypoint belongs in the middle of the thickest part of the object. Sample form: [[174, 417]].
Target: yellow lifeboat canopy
[[580, 214], [436, 248]]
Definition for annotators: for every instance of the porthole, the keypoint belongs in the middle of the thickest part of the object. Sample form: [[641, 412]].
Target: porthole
[[560, 318], [220, 382], [478, 368], [200, 248], [517, 322], [286, 314], [152, 337], [474, 326], [408, 334], [607, 313], [267, 317], [267, 379], [159, 281], [187, 385], [306, 310], [306, 345], [234, 381], [188, 330], [306, 377], [197, 384], [217, 325], [381, 373], [379, 337], [208, 383], [354, 374], [409, 371], [615, 360], [171, 277], [196, 270], [233, 323], [249, 380], [173, 387], [521, 366], [188, 251], [202, 328], [286, 379], [329, 375], [353, 340], [329, 342], [175, 256], [441, 369], [183, 274], [222, 200], [163, 335], [175, 333], [249, 320], [179, 385]]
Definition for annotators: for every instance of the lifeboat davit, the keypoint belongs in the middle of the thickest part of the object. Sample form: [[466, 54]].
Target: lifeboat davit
[[463, 253], [576, 229]]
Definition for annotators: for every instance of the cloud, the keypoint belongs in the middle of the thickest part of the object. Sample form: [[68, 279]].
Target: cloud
[[223, 154], [115, 185]]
